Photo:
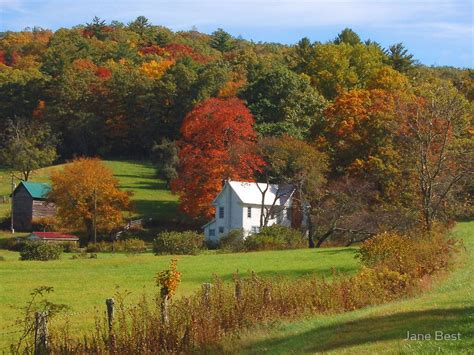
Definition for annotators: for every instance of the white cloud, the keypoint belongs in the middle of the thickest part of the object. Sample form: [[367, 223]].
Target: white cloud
[[255, 13]]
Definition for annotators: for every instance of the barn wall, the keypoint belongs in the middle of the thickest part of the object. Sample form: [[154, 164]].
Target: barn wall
[[22, 209], [42, 209]]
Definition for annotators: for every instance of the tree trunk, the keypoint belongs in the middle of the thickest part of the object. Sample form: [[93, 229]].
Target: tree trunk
[[310, 231], [90, 230], [324, 237]]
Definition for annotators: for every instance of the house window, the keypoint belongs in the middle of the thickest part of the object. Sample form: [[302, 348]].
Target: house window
[[288, 213], [255, 229], [279, 218], [249, 212], [212, 232], [221, 230], [221, 212]]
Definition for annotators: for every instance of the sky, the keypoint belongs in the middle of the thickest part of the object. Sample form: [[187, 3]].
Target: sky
[[437, 32]]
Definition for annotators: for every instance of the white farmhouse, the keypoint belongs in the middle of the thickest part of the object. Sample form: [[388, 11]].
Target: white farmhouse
[[239, 206]]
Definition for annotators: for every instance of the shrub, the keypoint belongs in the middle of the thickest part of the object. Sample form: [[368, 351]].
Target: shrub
[[99, 247], [417, 254], [390, 250], [70, 247], [188, 242], [168, 280], [2, 258], [275, 237], [233, 241], [41, 251], [14, 244], [132, 245]]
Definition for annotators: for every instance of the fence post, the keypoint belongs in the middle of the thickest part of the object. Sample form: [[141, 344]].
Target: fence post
[[238, 290], [41, 333], [109, 302], [164, 310], [206, 288]]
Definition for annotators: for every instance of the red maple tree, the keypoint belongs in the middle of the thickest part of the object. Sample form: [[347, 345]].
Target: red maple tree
[[217, 143]]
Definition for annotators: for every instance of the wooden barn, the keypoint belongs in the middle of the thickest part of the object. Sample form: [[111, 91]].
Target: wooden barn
[[29, 204]]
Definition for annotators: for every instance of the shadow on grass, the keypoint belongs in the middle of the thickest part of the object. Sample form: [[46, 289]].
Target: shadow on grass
[[148, 185], [156, 209], [332, 251], [138, 177], [342, 335]]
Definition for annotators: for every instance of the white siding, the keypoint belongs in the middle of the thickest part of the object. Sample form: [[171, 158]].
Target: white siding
[[236, 217], [254, 220], [232, 211]]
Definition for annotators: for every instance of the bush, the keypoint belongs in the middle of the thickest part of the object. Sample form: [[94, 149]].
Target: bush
[[41, 251], [275, 237], [2, 258], [388, 250], [132, 245], [14, 244], [233, 241], [188, 242], [417, 254], [70, 247]]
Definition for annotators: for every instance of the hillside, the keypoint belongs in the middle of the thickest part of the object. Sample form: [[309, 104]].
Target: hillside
[[151, 198], [448, 307]]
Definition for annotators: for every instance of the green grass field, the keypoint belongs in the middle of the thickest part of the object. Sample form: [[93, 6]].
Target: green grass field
[[150, 197], [448, 307], [84, 284]]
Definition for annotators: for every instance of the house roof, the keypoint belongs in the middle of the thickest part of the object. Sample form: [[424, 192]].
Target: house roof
[[37, 190], [54, 235], [251, 192]]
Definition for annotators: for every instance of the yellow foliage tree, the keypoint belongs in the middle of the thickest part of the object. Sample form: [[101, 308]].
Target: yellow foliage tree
[[154, 69], [86, 192]]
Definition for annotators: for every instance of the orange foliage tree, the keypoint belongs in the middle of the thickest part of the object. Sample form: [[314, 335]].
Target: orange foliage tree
[[86, 190], [359, 125], [362, 136], [217, 143], [154, 69]]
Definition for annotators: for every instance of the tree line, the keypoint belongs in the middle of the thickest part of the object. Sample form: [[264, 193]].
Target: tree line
[[369, 137]]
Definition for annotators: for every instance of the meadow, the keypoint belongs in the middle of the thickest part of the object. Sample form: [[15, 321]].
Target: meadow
[[448, 307], [151, 198], [84, 284]]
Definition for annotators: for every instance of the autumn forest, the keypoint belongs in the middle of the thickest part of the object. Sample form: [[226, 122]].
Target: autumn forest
[[372, 138]]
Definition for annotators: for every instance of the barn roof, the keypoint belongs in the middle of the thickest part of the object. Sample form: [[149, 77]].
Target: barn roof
[[37, 190], [251, 192], [54, 236]]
